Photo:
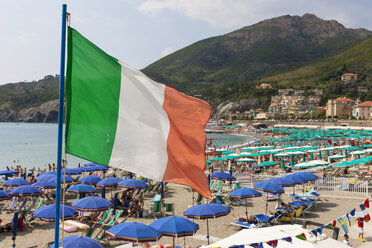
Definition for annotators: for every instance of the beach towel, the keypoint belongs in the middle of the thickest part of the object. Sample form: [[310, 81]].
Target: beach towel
[[116, 115]]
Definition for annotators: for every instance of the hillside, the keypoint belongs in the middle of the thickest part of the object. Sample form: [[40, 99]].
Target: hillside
[[276, 45]]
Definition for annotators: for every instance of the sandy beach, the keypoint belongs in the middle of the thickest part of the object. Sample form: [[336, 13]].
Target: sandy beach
[[326, 210]]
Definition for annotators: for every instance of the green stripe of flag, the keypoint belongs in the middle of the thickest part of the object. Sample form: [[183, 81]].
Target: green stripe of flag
[[92, 95]]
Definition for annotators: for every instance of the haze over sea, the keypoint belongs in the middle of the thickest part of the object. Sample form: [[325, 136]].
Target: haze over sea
[[35, 144]]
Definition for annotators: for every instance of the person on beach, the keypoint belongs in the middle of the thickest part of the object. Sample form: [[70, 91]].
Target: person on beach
[[346, 240], [361, 228], [49, 167]]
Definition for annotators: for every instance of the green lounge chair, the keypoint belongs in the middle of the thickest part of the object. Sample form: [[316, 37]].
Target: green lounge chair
[[106, 216], [157, 207], [219, 186], [169, 208], [32, 204], [211, 184], [41, 203], [199, 199], [114, 218]]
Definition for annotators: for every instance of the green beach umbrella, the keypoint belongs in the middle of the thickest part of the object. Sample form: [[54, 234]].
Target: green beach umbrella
[[267, 163]]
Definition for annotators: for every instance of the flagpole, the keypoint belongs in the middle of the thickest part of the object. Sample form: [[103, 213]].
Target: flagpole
[[60, 124]]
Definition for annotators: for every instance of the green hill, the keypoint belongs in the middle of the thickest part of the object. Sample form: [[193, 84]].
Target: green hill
[[217, 68]]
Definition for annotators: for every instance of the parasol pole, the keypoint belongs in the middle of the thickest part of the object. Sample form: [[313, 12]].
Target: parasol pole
[[60, 124]]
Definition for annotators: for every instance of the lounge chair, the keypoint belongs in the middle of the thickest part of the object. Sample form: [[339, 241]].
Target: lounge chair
[[23, 204], [31, 205], [157, 207], [169, 208], [114, 218], [40, 204], [199, 199], [12, 203], [263, 219], [245, 225], [287, 218], [106, 216], [211, 184]]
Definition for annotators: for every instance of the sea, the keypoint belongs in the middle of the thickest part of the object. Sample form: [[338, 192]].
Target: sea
[[35, 145]]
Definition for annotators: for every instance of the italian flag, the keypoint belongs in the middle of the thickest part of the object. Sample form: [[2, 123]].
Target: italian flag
[[117, 116]]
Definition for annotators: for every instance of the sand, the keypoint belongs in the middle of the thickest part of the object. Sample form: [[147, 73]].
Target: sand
[[326, 210]]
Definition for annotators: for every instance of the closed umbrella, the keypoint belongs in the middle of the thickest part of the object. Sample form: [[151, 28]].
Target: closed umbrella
[[134, 232], [15, 223], [207, 211], [75, 241], [91, 204]]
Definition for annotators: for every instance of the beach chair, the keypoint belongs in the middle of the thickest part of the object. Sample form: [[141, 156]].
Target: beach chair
[[298, 212], [220, 199], [211, 184], [31, 205], [287, 218], [199, 199], [114, 218], [12, 203], [169, 208], [39, 205], [262, 218], [157, 208], [106, 216], [245, 225], [219, 186], [23, 204]]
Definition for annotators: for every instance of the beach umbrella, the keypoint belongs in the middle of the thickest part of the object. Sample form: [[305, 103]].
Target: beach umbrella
[[8, 172], [294, 178], [48, 213], [91, 204], [78, 241], [268, 187], [175, 226], [90, 164], [44, 185], [307, 176], [74, 171], [46, 176], [15, 182], [222, 176], [26, 190], [92, 180], [98, 167], [284, 182], [4, 195], [227, 152], [64, 179], [132, 184], [245, 193], [246, 160], [108, 182], [15, 223], [134, 232], [267, 163], [206, 211], [82, 188]]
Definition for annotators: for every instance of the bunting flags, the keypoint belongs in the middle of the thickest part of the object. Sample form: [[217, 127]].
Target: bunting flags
[[302, 236], [343, 225], [288, 239], [273, 243], [366, 203], [352, 212], [365, 213], [257, 245], [347, 216]]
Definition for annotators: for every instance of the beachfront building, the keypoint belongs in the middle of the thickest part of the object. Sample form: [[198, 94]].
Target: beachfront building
[[363, 110], [340, 107], [294, 104], [349, 77]]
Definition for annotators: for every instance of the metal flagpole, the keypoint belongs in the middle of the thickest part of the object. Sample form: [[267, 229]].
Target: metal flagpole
[[60, 124]]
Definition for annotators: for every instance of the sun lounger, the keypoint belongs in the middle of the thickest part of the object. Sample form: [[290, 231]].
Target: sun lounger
[[23, 204], [287, 218], [245, 225], [106, 216], [12, 204], [114, 218], [262, 218], [40, 204]]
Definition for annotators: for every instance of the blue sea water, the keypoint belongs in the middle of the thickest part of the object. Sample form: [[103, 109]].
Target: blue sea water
[[35, 144]]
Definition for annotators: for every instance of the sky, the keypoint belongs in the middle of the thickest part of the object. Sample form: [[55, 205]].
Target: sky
[[139, 32]]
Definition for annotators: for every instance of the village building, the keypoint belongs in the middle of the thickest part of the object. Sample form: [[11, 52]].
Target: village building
[[349, 77], [340, 107], [362, 89], [363, 110]]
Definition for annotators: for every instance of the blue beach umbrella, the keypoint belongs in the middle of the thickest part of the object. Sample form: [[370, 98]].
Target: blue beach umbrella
[[15, 182], [26, 190], [306, 176], [244, 193], [15, 223], [294, 178], [4, 195], [268, 187], [284, 182], [46, 176], [99, 167], [44, 185], [64, 179], [109, 182], [8, 172], [222, 176], [92, 180], [132, 184], [48, 213], [91, 204], [134, 232], [74, 171], [175, 226], [82, 188], [207, 211], [75, 241]]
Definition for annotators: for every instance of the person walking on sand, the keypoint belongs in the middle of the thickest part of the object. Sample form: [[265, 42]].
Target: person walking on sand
[[361, 228]]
